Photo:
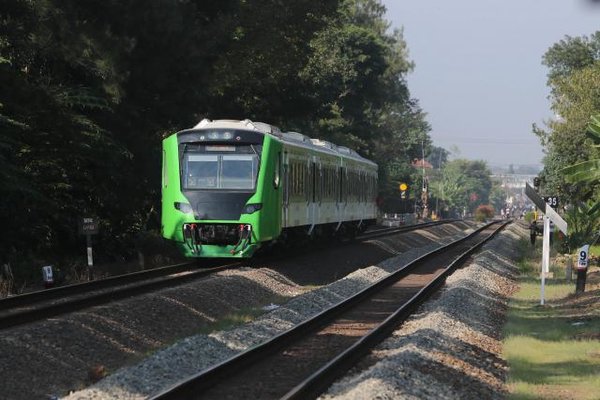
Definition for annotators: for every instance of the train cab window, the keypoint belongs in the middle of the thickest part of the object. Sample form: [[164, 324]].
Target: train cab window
[[206, 168], [238, 171], [201, 171]]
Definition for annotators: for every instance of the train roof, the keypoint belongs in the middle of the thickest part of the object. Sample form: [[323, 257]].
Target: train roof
[[293, 138]]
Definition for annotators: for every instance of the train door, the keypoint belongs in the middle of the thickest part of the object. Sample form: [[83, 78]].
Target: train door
[[285, 202]]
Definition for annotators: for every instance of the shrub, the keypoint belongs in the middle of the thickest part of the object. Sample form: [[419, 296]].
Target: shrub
[[484, 212], [529, 216]]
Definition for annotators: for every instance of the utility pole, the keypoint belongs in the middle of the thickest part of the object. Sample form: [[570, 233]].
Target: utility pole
[[424, 196]]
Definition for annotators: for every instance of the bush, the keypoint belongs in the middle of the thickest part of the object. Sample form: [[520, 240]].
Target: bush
[[529, 216], [484, 212]]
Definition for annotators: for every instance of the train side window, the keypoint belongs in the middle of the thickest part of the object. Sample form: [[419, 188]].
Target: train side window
[[307, 185], [296, 179], [327, 183], [314, 181], [332, 182], [339, 182], [293, 177]]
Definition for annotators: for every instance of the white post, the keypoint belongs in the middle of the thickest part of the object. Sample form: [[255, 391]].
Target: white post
[[545, 255], [546, 245], [90, 258]]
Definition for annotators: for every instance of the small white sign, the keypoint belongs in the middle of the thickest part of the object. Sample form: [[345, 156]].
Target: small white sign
[[47, 274], [582, 261]]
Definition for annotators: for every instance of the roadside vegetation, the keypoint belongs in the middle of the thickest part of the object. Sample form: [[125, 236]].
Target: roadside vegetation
[[89, 90], [553, 351]]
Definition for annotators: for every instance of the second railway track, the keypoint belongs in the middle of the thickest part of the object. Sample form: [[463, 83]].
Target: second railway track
[[303, 361], [30, 307]]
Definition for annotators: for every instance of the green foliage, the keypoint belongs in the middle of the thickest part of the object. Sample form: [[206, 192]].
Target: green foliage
[[574, 79], [438, 157], [529, 216], [90, 88], [571, 54], [462, 184], [588, 172], [498, 195], [583, 220]]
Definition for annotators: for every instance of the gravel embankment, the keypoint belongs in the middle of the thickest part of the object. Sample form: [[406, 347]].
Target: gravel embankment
[[65, 353], [193, 354], [451, 348]]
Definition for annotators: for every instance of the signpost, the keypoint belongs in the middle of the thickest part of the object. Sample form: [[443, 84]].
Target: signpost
[[88, 227], [552, 201], [48, 276], [582, 264], [549, 215]]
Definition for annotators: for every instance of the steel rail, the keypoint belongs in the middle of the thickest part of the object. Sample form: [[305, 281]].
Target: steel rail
[[10, 318], [25, 299], [192, 387], [314, 385], [29, 307], [406, 228]]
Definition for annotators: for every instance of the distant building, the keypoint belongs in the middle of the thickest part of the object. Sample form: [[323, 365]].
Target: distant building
[[514, 181], [421, 163]]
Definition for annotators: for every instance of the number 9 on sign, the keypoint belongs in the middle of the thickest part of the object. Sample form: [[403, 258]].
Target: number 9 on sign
[[583, 257]]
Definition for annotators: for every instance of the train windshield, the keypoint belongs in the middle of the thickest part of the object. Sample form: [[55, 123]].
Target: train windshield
[[232, 168]]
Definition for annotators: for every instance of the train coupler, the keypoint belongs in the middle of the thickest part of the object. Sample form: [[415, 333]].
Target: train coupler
[[244, 240], [191, 237]]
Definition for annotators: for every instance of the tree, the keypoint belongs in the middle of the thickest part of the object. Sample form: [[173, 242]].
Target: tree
[[89, 89], [357, 71], [463, 184], [571, 54], [588, 172], [574, 79], [58, 82], [438, 157]]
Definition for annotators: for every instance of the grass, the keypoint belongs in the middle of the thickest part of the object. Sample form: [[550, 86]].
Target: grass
[[553, 351], [239, 317]]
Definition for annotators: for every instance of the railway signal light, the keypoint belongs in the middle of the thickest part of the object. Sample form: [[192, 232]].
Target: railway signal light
[[403, 188], [536, 183]]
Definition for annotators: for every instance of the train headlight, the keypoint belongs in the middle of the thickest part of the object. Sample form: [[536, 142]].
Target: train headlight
[[219, 135], [183, 207], [251, 208]]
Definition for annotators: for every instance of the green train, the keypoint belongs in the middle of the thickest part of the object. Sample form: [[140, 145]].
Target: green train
[[231, 187]]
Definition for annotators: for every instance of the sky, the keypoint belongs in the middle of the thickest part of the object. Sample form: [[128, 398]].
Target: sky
[[478, 69]]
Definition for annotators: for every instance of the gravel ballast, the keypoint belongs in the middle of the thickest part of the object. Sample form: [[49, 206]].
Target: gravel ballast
[[198, 352], [451, 348], [125, 338]]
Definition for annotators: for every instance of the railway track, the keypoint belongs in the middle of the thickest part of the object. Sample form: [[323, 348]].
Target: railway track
[[40, 305], [305, 360], [30, 307]]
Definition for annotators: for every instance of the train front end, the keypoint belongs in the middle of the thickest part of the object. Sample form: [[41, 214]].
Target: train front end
[[215, 202]]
